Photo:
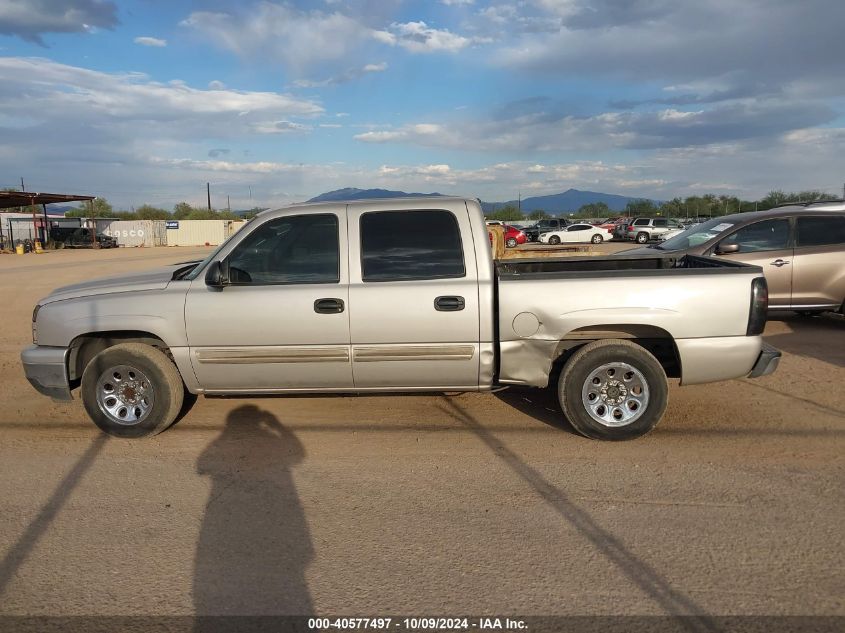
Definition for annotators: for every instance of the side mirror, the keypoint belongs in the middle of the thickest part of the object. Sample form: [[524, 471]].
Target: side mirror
[[215, 275], [727, 249]]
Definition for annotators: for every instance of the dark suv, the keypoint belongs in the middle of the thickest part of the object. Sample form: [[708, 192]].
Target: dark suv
[[544, 226]]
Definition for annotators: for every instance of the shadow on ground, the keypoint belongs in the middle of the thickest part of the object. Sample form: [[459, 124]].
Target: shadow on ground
[[254, 545], [821, 337]]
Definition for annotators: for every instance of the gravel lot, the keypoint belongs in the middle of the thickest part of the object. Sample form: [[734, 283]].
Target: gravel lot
[[438, 505]]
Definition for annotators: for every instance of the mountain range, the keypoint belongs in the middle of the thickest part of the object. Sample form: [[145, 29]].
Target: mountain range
[[567, 201]]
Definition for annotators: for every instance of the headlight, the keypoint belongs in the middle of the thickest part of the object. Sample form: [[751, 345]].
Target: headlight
[[34, 322], [542, 235]]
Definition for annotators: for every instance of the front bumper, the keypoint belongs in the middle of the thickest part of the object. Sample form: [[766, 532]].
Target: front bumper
[[46, 370], [767, 362]]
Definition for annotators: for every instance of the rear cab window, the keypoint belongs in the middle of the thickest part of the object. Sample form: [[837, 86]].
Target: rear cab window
[[411, 245]]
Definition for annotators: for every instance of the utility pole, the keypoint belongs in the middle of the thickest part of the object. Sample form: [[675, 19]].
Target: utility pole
[[519, 202], [228, 205], [23, 188], [208, 194]]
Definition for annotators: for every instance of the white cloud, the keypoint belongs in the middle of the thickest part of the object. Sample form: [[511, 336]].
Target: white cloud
[[418, 37], [457, 3], [349, 75], [763, 45], [30, 19], [280, 127], [216, 85], [71, 112], [298, 40], [537, 126], [150, 41]]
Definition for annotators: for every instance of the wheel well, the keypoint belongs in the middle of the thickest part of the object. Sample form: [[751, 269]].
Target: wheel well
[[85, 347], [655, 340]]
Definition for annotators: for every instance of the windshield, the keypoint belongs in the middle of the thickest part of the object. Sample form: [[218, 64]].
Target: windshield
[[697, 235], [198, 269]]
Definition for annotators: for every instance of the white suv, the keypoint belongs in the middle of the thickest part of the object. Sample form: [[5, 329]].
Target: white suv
[[642, 230]]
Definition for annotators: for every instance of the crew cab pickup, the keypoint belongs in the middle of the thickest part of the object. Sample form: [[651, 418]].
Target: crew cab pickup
[[397, 296]]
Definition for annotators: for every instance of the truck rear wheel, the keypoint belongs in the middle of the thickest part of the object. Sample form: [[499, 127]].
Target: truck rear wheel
[[642, 238], [613, 390], [132, 390]]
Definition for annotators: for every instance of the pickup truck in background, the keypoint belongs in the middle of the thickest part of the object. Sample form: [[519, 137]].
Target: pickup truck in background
[[397, 296]]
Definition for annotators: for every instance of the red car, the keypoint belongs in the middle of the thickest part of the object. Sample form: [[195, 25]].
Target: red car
[[513, 236]]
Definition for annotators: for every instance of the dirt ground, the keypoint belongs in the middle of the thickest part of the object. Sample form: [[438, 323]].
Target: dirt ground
[[437, 505]]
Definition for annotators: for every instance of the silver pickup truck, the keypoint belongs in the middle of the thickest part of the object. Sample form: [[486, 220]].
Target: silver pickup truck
[[397, 295]]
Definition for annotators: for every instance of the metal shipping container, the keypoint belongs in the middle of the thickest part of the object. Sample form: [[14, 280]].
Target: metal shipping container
[[196, 232], [135, 232]]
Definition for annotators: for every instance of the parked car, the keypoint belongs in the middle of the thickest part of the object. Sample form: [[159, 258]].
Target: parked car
[[514, 236], [610, 223], [297, 302], [801, 250], [544, 226], [81, 238], [662, 237], [642, 230], [576, 233]]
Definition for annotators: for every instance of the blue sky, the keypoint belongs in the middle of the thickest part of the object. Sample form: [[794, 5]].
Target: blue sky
[[275, 102]]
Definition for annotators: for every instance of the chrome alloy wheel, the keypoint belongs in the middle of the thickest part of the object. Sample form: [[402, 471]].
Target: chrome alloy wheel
[[125, 394], [615, 394]]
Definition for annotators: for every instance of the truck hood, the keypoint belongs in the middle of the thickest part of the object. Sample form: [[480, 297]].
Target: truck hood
[[155, 279]]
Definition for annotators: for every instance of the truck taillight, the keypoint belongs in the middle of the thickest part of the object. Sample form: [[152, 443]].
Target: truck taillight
[[759, 307]]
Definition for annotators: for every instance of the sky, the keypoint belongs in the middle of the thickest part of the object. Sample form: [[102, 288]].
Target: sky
[[144, 101]]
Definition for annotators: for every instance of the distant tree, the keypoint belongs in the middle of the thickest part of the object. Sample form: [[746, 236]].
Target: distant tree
[[505, 214], [148, 212], [182, 210], [251, 213], [774, 198], [641, 208], [592, 210], [538, 215], [98, 208]]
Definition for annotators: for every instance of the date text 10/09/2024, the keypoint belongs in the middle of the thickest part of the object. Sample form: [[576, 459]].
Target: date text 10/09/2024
[[416, 624]]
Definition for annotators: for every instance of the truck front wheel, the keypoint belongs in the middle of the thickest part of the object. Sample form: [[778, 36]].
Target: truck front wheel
[[613, 390], [132, 390]]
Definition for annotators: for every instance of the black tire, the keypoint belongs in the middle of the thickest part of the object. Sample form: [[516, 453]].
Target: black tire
[[554, 240], [591, 358], [597, 239], [167, 389], [641, 238], [511, 242]]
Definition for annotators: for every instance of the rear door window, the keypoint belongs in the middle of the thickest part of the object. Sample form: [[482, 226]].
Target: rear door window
[[821, 230], [406, 245]]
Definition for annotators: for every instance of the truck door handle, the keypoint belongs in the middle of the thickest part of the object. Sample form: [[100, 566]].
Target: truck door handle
[[779, 262], [449, 304], [328, 306]]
